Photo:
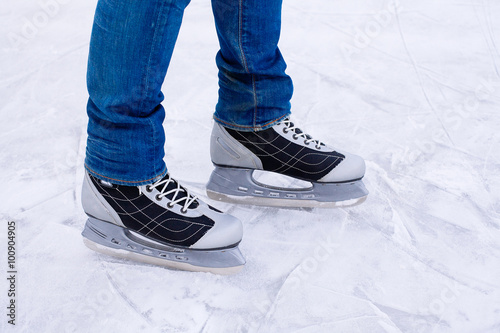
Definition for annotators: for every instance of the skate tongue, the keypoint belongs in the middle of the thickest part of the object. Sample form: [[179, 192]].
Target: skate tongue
[[298, 131], [174, 191]]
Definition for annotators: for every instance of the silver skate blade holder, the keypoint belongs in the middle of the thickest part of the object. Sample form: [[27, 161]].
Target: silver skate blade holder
[[237, 185], [111, 239]]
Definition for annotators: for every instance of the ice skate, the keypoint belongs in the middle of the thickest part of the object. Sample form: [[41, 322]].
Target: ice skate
[[160, 224], [332, 177]]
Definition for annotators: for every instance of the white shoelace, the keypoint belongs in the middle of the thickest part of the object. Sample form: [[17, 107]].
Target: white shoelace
[[188, 198], [298, 133]]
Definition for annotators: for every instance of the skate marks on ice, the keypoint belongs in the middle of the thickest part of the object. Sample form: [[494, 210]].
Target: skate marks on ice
[[425, 284], [420, 255]]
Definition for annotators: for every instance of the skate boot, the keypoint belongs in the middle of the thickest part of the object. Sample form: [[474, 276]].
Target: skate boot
[[332, 177], [160, 224]]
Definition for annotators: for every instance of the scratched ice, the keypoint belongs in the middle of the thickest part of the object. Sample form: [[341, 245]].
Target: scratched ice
[[412, 86]]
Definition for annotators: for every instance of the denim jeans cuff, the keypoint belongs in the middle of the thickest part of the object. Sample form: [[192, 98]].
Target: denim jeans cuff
[[247, 128], [118, 181]]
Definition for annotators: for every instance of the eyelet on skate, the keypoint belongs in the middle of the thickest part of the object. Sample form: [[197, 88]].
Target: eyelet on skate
[[306, 142], [295, 136], [183, 211], [285, 130], [149, 188], [170, 205], [158, 197], [318, 147]]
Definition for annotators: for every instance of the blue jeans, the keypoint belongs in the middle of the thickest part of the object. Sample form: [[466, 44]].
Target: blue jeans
[[130, 50]]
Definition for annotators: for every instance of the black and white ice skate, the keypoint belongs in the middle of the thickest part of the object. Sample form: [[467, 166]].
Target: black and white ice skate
[[160, 224], [332, 177]]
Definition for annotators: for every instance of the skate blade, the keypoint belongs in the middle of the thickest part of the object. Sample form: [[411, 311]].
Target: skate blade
[[237, 185], [284, 203], [110, 239]]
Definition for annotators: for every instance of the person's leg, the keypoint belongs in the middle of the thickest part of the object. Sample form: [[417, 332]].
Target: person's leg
[[135, 209], [254, 91], [253, 130], [130, 50]]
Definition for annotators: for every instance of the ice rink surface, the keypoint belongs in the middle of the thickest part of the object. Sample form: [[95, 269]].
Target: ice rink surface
[[412, 86]]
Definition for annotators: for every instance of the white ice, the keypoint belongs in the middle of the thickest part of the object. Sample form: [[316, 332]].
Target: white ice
[[412, 86]]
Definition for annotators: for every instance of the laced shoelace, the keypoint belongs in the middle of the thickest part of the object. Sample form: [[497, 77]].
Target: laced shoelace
[[298, 133], [179, 193]]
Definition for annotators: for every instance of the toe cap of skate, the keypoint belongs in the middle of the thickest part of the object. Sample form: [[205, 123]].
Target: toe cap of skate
[[227, 230], [351, 168]]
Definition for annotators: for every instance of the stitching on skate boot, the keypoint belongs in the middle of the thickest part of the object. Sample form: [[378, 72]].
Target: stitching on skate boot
[[144, 216], [283, 156]]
